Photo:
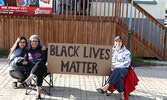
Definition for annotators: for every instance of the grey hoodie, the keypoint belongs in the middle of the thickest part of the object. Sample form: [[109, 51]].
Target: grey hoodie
[[122, 58], [13, 59]]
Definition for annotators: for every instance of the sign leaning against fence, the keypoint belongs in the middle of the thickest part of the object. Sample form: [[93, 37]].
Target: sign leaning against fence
[[80, 59]]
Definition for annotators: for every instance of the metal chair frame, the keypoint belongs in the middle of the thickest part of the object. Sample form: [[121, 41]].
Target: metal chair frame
[[33, 86]]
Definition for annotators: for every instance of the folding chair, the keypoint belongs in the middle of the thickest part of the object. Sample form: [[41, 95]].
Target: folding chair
[[105, 78], [130, 81], [49, 83]]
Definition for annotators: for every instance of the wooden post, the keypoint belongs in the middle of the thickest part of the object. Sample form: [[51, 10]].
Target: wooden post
[[116, 11]]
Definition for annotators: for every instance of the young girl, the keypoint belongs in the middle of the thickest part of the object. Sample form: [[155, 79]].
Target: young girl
[[18, 73]]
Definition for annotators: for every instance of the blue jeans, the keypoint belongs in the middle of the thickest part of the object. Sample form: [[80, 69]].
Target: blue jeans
[[116, 78]]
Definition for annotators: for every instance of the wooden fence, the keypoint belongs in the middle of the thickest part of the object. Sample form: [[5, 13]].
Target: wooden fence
[[56, 31], [97, 23]]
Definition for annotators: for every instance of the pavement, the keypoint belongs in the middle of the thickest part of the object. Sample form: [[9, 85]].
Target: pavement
[[152, 86]]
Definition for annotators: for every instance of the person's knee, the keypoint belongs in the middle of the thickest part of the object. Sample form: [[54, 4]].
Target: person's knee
[[40, 63], [22, 79], [117, 69]]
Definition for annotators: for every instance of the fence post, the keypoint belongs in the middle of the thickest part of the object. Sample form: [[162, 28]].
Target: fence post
[[164, 51], [129, 31], [116, 11]]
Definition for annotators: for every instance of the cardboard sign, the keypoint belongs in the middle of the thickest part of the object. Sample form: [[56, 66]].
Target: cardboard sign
[[80, 59]]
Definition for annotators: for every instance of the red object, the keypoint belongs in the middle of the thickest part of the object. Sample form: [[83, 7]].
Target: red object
[[10, 2], [46, 1], [130, 81], [25, 11]]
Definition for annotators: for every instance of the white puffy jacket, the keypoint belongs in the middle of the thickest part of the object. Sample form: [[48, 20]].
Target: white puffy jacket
[[121, 58]]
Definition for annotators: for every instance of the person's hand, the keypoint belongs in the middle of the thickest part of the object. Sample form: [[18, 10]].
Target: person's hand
[[113, 68], [47, 65], [22, 57], [18, 39], [25, 63], [43, 48]]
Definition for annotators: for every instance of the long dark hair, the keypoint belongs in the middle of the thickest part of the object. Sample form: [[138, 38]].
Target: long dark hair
[[16, 45]]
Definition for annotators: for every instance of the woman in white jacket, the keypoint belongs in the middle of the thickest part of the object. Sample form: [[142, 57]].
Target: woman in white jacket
[[121, 59]]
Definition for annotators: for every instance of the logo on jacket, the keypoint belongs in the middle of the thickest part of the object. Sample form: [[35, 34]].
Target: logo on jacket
[[34, 56]]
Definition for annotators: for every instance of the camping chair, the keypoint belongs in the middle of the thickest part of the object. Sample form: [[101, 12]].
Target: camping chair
[[105, 78], [130, 81], [49, 83]]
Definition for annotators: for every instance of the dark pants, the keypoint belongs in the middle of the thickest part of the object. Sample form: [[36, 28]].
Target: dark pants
[[40, 70], [19, 75], [116, 78]]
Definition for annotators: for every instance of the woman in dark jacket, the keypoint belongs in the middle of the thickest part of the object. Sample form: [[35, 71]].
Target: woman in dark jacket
[[36, 58]]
